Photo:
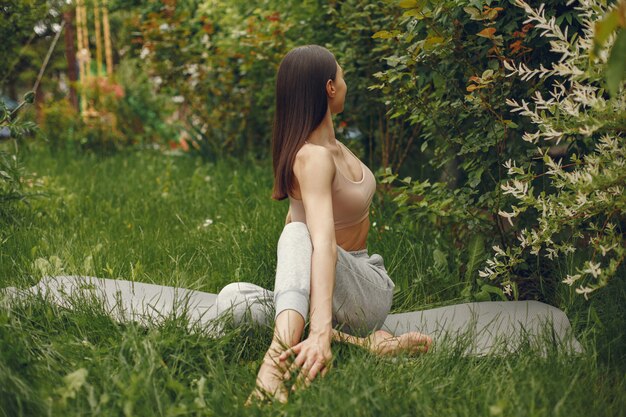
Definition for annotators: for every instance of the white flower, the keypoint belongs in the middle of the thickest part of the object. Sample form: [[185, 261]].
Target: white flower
[[192, 70], [569, 249], [508, 289], [486, 273], [584, 291], [593, 269], [499, 251], [570, 279], [605, 250], [507, 216], [207, 223], [144, 53], [551, 253], [517, 189]]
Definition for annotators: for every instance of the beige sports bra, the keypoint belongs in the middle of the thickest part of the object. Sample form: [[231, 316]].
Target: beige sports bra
[[351, 200]]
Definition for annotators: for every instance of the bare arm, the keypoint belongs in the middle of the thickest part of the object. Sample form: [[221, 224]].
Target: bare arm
[[315, 170]]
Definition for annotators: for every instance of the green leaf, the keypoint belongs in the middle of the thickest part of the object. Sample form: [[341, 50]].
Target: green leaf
[[383, 34], [482, 296], [432, 41], [510, 123], [476, 250], [408, 4], [493, 290], [416, 13], [474, 13], [475, 176], [595, 317], [441, 261], [29, 97], [616, 68]]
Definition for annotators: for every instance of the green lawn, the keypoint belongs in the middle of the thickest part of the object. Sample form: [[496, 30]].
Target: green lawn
[[176, 221]]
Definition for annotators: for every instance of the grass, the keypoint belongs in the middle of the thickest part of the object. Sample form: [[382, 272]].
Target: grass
[[144, 216]]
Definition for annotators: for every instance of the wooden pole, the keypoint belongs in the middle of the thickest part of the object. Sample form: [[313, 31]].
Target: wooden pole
[[107, 39], [96, 15], [81, 55], [70, 56], [39, 96], [87, 54], [86, 42]]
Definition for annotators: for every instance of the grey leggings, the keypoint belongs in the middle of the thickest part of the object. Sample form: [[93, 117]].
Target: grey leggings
[[361, 299]]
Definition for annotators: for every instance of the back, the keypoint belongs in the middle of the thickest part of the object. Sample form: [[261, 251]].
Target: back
[[351, 200]]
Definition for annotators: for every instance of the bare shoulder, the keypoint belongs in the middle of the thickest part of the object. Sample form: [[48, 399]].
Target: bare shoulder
[[314, 164]]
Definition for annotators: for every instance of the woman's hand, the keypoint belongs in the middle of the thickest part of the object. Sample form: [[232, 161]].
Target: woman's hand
[[313, 356]]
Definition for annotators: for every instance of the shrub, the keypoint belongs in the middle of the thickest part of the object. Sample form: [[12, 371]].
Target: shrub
[[11, 172], [378, 138], [446, 77], [61, 124], [217, 60], [143, 115], [583, 208]]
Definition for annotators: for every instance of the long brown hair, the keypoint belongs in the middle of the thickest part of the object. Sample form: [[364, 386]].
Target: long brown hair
[[301, 104]]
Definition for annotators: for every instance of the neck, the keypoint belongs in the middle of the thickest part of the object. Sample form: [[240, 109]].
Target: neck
[[324, 134]]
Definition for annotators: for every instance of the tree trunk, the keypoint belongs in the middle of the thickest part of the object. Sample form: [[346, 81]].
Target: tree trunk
[[70, 56], [39, 99], [451, 173]]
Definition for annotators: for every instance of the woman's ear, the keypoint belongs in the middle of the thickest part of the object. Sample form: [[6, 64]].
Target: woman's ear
[[330, 88]]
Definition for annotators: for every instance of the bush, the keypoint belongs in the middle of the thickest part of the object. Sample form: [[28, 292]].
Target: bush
[[61, 124], [580, 205], [119, 114], [143, 115], [446, 76], [218, 61], [11, 172]]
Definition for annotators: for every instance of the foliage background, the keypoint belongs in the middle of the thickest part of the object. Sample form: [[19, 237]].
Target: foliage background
[[132, 191]]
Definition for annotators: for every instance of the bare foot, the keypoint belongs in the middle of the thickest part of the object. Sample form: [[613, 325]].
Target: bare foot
[[269, 382], [384, 343]]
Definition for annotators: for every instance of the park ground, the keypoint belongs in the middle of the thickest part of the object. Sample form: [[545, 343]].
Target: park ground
[[174, 220]]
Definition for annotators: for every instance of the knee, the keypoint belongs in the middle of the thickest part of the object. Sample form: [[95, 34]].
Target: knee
[[231, 298], [296, 228], [295, 233], [242, 299]]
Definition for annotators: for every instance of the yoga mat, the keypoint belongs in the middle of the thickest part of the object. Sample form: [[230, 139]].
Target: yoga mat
[[493, 327]]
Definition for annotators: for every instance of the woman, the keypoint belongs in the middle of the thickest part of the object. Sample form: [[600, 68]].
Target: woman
[[324, 272]]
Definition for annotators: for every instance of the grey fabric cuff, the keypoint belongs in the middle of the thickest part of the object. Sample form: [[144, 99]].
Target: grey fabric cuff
[[297, 300]]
